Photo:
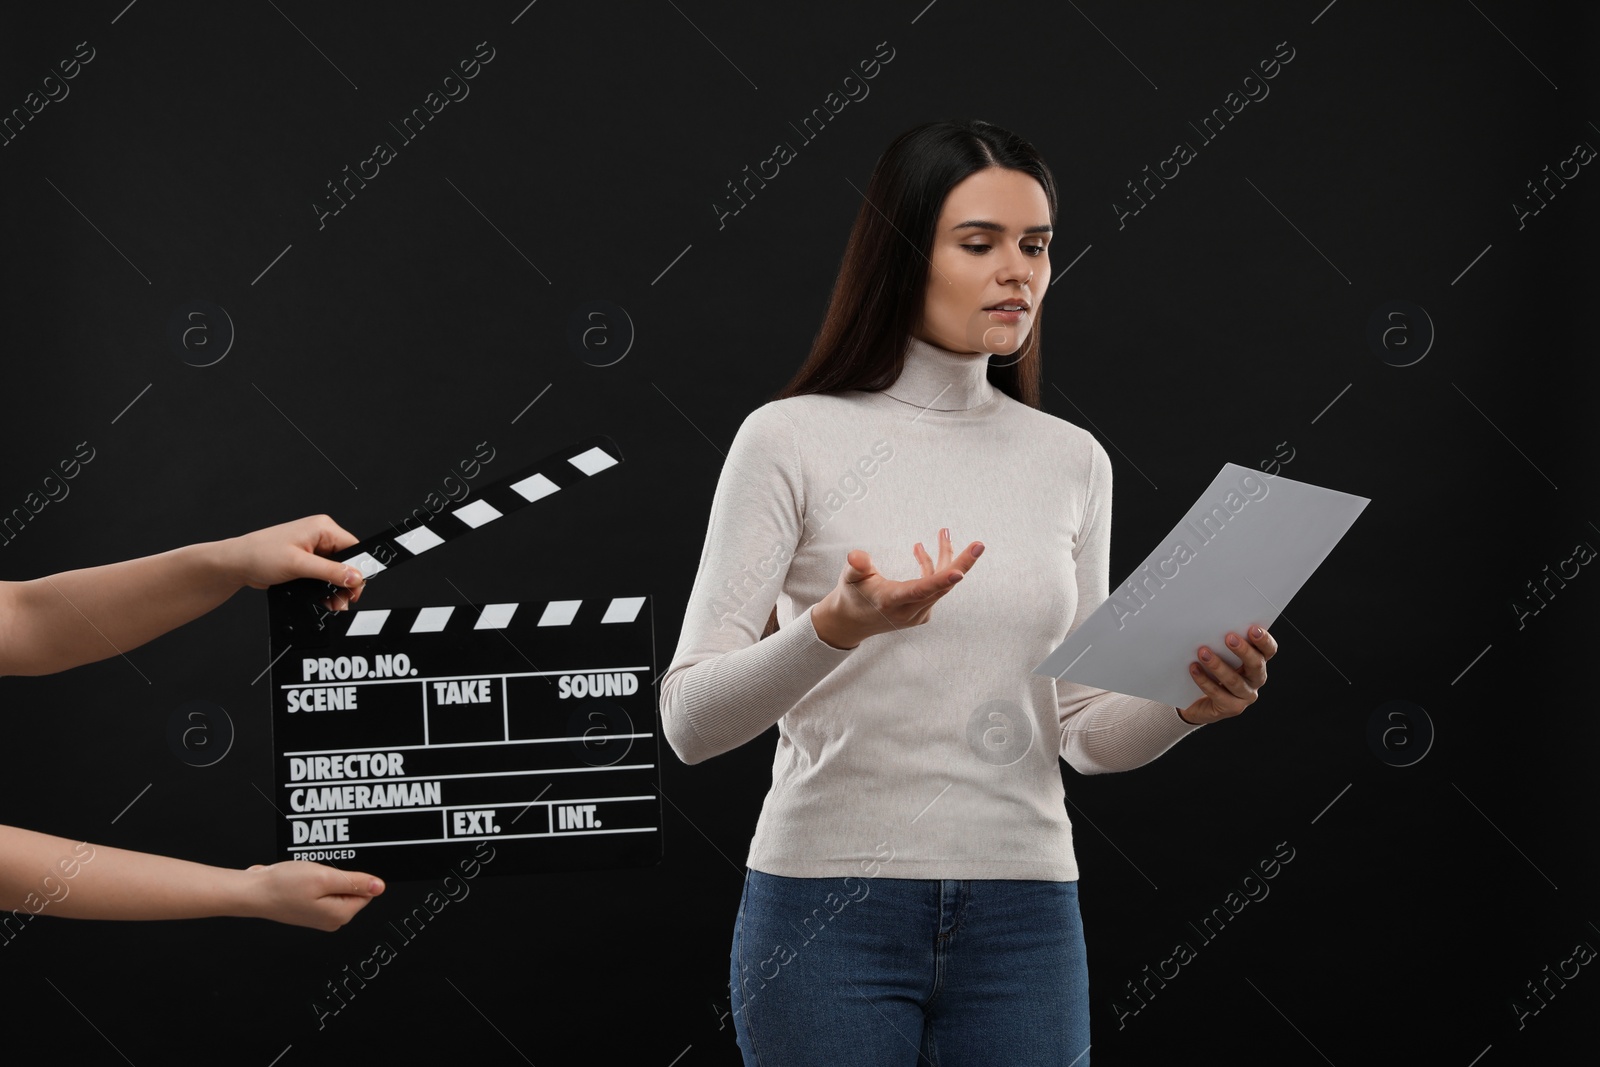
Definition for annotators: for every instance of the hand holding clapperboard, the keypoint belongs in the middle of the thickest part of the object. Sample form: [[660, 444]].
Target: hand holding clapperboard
[[408, 738]]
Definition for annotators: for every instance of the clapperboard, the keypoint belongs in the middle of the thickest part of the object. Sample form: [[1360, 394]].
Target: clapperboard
[[401, 735]]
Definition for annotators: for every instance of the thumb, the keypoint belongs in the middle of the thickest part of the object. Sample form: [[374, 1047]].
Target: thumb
[[354, 883], [854, 572], [333, 572], [338, 537]]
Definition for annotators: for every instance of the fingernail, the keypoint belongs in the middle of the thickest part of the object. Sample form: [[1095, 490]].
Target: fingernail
[[351, 576], [1232, 640], [1205, 653], [1256, 632], [375, 887], [977, 550]]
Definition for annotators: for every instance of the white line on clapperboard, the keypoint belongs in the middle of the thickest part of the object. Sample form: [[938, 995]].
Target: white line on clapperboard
[[472, 774], [459, 807], [453, 678], [589, 738], [495, 837]]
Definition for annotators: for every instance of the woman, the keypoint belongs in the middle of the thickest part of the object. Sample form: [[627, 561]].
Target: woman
[[912, 891]]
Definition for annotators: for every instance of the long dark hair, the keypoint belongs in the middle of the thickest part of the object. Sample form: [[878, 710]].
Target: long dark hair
[[878, 298]]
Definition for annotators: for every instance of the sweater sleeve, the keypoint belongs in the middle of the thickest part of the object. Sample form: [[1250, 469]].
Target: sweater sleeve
[[1102, 731], [725, 684]]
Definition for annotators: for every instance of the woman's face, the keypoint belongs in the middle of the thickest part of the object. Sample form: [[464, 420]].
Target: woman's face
[[993, 231]]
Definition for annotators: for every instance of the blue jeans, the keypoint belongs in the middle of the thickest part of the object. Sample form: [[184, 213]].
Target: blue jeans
[[882, 972]]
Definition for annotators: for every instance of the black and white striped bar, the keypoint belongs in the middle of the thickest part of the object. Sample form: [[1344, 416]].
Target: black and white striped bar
[[298, 607], [529, 485], [489, 617]]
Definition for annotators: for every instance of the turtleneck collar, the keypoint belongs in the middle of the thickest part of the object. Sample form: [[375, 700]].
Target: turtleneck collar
[[938, 379]]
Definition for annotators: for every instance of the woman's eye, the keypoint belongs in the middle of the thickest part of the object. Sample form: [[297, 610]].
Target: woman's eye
[[1034, 251]]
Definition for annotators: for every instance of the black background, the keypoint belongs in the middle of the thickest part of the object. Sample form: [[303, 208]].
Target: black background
[[1230, 315]]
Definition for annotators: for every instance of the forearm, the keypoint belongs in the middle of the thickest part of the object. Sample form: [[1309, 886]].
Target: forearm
[[45, 875], [1118, 732], [716, 705], [80, 616]]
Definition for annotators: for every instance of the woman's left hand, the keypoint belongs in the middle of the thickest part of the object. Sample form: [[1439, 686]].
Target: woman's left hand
[[1229, 691]]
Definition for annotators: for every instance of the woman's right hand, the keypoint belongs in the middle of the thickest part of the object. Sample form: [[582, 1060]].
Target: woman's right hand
[[866, 603]]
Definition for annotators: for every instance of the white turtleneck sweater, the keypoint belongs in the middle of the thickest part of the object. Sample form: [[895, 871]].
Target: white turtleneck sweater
[[933, 744]]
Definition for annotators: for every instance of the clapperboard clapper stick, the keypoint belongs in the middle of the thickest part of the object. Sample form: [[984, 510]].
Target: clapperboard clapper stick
[[521, 735]]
